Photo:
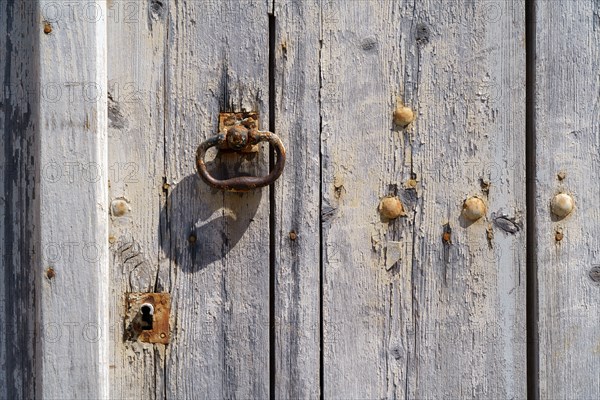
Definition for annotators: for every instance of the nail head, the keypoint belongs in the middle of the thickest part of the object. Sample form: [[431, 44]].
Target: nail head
[[558, 236], [391, 207], [474, 208], [403, 116], [562, 205]]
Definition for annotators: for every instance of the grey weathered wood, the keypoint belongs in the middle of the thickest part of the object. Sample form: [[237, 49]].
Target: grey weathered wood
[[72, 348], [136, 128], [567, 131], [296, 234], [405, 315], [18, 159], [217, 60], [444, 321]]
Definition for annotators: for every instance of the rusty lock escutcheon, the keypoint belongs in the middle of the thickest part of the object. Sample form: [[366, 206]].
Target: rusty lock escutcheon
[[147, 317], [239, 133]]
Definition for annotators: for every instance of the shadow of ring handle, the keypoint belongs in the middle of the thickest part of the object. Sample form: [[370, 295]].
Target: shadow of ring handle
[[241, 183]]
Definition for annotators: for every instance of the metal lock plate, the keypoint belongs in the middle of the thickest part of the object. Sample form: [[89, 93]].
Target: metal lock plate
[[248, 119], [147, 317]]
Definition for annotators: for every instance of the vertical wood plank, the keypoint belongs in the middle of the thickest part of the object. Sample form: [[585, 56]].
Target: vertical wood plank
[[567, 144], [72, 302], [19, 102], [217, 243], [410, 314], [136, 128], [297, 197]]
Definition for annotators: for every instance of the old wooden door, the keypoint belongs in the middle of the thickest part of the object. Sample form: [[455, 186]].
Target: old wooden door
[[301, 289]]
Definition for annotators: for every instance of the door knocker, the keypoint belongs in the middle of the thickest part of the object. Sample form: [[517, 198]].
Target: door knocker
[[239, 133]]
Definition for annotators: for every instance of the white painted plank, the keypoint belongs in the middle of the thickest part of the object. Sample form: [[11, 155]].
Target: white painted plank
[[446, 320], [297, 198], [219, 280], [18, 159], [136, 86], [73, 310], [567, 131]]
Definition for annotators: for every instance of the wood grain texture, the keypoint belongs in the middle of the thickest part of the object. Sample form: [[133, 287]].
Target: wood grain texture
[[18, 160], [217, 243], [72, 303], [297, 197], [442, 320], [136, 127], [567, 140]]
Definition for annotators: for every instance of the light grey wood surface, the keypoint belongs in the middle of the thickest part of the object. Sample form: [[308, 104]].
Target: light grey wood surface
[[297, 200], [137, 34], [72, 345], [441, 320], [567, 132]]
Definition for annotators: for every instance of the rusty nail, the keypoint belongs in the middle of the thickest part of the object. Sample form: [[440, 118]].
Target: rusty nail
[[558, 236], [485, 186], [474, 208], [403, 116], [47, 28], [192, 238], [391, 207], [112, 239], [249, 123], [166, 186], [490, 232], [562, 204], [447, 236], [293, 235], [119, 207], [50, 273]]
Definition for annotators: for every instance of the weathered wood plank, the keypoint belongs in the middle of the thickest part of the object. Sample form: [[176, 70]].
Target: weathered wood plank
[[443, 319], [217, 242], [72, 302], [19, 32], [297, 198], [136, 86], [567, 140]]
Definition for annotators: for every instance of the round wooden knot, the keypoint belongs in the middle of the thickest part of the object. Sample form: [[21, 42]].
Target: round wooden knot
[[595, 274]]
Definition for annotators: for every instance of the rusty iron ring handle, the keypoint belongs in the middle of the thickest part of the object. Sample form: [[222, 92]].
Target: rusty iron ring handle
[[237, 139]]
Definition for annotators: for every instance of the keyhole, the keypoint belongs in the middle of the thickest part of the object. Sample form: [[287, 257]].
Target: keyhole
[[147, 313]]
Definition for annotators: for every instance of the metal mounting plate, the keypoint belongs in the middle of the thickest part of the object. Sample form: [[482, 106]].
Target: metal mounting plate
[[134, 326], [250, 120]]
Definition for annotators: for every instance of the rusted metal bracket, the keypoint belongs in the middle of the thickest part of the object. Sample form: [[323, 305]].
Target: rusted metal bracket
[[228, 120], [147, 317]]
